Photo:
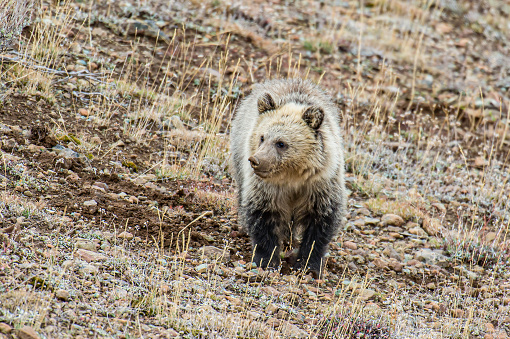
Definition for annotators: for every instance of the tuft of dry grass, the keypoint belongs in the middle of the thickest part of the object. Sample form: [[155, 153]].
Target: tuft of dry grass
[[407, 208], [224, 202], [14, 16]]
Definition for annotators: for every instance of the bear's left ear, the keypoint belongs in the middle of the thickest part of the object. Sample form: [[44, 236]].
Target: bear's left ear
[[266, 103], [313, 116]]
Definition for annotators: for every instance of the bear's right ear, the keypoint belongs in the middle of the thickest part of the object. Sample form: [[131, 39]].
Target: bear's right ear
[[266, 103], [313, 116]]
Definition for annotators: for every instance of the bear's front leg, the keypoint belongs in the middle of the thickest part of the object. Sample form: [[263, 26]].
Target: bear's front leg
[[262, 226], [320, 227]]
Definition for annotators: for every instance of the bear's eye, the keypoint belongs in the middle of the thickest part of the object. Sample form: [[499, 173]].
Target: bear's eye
[[280, 144], [261, 138]]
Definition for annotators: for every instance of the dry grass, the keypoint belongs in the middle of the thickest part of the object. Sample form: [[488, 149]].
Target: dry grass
[[14, 16]]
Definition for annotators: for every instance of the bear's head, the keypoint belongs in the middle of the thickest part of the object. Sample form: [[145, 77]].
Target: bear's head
[[286, 143]]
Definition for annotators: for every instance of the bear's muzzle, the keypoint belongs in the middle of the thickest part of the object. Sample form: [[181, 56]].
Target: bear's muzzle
[[260, 167]]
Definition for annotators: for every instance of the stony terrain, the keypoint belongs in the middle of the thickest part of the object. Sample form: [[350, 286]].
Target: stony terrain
[[117, 211]]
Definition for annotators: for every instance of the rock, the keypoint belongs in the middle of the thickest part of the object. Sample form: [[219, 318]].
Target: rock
[[85, 244], [359, 259], [457, 313], [396, 266], [372, 221], [132, 199], [234, 300], [65, 152], [440, 207], [73, 178], [108, 236], [432, 226], [350, 245], [394, 235], [34, 148], [68, 264], [62, 294], [5, 328], [380, 263], [214, 253], [431, 286], [411, 224], [272, 308], [125, 235], [88, 269], [207, 237], [480, 162], [202, 268], [491, 236], [143, 28], [428, 256], [363, 211], [210, 71], [172, 333], [390, 252], [176, 122], [149, 177], [466, 273], [253, 315], [139, 181], [359, 222], [75, 48], [392, 283], [292, 331], [113, 196], [496, 335], [439, 307], [414, 262], [394, 229], [84, 112], [9, 145], [100, 185], [270, 291], [274, 322], [392, 219], [366, 294], [418, 231], [89, 256], [91, 206], [95, 140], [4, 129], [120, 293], [28, 332]]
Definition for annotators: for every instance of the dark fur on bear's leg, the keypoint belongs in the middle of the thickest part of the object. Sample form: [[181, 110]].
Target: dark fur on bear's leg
[[318, 234], [262, 226]]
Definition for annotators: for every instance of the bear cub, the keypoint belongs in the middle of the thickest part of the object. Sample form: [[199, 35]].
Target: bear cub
[[288, 162]]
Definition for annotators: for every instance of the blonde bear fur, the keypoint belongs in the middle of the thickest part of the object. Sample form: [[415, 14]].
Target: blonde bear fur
[[287, 159]]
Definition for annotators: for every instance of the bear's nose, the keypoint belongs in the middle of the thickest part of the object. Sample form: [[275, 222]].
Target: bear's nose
[[254, 162]]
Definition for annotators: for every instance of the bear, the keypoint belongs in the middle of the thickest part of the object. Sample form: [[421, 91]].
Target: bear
[[288, 162]]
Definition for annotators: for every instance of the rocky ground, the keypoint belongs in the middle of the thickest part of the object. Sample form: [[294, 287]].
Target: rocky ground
[[117, 211]]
